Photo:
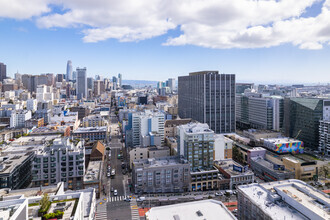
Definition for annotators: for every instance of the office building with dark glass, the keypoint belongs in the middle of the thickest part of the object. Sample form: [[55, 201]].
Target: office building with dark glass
[[208, 97], [302, 119]]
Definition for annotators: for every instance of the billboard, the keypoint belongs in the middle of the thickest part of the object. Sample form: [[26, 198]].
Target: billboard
[[290, 147], [237, 168]]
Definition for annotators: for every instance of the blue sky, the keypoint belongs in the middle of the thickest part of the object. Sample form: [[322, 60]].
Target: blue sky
[[269, 51]]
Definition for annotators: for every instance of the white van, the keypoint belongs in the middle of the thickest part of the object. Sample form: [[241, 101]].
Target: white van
[[141, 199]]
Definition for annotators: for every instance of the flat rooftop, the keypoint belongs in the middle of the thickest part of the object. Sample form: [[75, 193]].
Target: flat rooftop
[[43, 130], [196, 128], [269, 165], [25, 148], [161, 162], [93, 171], [228, 164], [311, 198], [32, 140], [204, 209], [282, 140], [30, 192], [288, 199], [91, 129], [10, 162]]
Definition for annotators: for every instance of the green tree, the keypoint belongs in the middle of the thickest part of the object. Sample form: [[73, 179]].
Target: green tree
[[44, 202], [324, 170], [237, 156]]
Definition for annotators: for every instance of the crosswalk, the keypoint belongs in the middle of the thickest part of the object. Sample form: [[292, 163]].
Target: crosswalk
[[134, 210], [101, 211], [116, 198]]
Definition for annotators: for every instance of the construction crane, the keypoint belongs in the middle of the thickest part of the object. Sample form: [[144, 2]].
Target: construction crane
[[298, 134]]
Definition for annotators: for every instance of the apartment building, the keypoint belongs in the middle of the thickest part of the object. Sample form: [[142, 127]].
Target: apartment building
[[169, 174], [195, 144], [15, 170], [93, 121], [142, 124], [19, 117], [61, 161]]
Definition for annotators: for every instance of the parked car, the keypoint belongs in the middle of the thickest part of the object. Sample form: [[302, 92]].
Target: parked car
[[115, 192], [219, 194], [141, 199], [127, 199]]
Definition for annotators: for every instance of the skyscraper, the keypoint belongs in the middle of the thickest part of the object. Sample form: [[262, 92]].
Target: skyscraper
[[302, 119], [74, 75], [208, 97], [81, 83], [69, 71], [120, 79], [3, 71], [99, 88], [171, 84], [259, 112], [90, 83], [114, 82], [59, 77]]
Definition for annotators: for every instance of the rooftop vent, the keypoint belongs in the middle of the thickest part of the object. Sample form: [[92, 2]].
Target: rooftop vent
[[199, 213]]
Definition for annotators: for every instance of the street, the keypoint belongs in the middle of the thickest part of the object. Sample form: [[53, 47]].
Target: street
[[111, 206], [114, 207]]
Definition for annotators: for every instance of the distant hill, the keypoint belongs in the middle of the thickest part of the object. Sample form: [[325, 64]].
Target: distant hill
[[139, 83]]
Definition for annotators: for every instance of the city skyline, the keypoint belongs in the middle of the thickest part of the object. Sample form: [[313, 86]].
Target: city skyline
[[166, 41]]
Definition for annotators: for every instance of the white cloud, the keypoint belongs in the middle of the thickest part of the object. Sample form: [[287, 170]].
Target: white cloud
[[206, 23], [22, 9]]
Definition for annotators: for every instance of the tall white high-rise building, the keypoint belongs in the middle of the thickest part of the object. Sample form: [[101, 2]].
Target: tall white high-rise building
[[69, 71], [324, 129], [81, 90], [120, 78], [44, 93], [145, 123]]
